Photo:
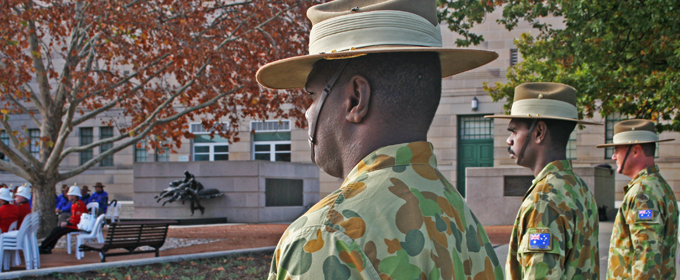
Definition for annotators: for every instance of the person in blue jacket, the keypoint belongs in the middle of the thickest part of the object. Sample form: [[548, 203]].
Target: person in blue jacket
[[101, 197], [63, 205]]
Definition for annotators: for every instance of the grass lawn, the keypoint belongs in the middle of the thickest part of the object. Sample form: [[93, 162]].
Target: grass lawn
[[250, 266]]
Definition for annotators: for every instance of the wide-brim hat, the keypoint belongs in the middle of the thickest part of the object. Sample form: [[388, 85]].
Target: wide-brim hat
[[6, 195], [634, 132], [552, 101], [344, 29]]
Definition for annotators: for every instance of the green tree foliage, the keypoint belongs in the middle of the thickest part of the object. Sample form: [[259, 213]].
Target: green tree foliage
[[621, 55]]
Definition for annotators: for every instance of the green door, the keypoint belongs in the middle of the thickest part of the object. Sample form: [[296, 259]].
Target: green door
[[475, 146]]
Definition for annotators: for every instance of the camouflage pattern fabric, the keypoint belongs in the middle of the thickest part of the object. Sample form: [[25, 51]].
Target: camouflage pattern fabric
[[645, 235], [394, 217], [556, 230]]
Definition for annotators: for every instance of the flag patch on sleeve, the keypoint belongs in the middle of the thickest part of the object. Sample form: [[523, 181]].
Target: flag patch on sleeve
[[645, 214], [539, 241]]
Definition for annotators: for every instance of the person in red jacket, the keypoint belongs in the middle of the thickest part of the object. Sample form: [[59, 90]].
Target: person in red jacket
[[21, 198], [77, 209], [9, 213]]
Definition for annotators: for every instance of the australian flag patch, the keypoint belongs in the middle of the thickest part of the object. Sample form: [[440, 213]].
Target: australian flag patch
[[539, 241], [645, 214]]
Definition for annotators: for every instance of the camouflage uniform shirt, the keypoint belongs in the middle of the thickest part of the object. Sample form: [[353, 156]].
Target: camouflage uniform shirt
[[556, 230], [645, 232], [394, 217]]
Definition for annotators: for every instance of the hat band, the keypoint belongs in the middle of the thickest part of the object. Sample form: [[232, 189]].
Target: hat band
[[544, 107], [634, 136], [358, 30]]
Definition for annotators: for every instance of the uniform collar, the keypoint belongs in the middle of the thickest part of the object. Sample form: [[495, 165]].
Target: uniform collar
[[644, 172], [555, 166], [395, 155]]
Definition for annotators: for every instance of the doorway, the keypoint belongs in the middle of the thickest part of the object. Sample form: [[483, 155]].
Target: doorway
[[475, 145]]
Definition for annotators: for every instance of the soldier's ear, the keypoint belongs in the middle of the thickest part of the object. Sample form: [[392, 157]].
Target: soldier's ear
[[540, 132], [357, 99]]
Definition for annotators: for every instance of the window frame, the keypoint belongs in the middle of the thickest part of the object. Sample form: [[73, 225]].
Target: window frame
[[211, 150], [34, 142], [573, 140], [140, 153], [284, 126], [107, 161], [86, 155]]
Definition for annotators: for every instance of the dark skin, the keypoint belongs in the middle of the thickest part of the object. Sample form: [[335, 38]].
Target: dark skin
[[539, 152], [350, 126]]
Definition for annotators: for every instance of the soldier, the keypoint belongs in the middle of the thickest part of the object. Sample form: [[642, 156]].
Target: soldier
[[645, 232], [556, 229], [378, 64]]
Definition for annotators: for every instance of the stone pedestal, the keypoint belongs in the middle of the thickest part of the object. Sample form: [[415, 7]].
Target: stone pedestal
[[495, 193], [244, 184]]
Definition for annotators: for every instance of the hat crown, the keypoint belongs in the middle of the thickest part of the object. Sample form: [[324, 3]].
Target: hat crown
[[426, 9], [546, 91], [24, 191], [634, 125], [5, 194], [74, 190]]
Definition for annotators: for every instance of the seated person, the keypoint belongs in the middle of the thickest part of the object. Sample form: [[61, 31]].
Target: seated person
[[100, 196], [77, 209], [86, 195], [64, 209], [9, 213], [21, 199], [61, 199]]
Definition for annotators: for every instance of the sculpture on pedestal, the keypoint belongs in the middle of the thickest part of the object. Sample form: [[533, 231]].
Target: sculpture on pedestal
[[187, 189]]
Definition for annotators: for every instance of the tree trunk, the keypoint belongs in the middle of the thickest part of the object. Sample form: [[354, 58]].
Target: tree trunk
[[44, 202]]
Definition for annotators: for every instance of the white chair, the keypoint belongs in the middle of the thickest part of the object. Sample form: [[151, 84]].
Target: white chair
[[96, 233], [81, 226], [93, 207], [13, 226], [113, 212], [33, 238], [14, 241]]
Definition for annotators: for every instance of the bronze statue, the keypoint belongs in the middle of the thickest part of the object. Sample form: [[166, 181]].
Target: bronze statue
[[187, 189]]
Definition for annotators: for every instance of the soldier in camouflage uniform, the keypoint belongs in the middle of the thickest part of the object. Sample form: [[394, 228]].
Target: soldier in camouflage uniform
[[395, 215], [644, 239], [556, 230]]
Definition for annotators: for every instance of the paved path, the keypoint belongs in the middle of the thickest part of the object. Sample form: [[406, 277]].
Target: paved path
[[605, 235]]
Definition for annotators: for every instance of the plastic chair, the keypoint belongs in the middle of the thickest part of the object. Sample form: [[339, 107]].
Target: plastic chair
[[68, 236], [14, 241], [13, 226], [33, 239], [93, 207], [113, 212], [96, 233]]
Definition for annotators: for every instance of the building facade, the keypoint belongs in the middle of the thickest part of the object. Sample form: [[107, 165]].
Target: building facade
[[461, 136]]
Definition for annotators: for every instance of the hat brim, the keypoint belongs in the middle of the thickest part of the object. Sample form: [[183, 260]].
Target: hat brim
[[630, 144], [542, 117], [292, 72]]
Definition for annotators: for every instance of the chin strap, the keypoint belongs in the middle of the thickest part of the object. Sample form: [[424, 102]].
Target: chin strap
[[520, 156], [623, 164], [326, 91]]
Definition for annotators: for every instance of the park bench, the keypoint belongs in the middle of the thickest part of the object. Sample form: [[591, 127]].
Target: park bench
[[131, 235]]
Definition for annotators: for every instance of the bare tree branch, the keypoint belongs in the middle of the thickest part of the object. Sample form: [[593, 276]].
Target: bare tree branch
[[23, 108], [17, 144]]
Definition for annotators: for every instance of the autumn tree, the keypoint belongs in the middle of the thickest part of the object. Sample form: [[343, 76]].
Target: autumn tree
[[161, 63], [622, 56]]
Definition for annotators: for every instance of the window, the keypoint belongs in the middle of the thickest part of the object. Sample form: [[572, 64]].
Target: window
[[106, 132], [34, 142], [162, 154], [571, 146], [283, 192], [140, 151], [207, 149], [475, 127], [4, 137], [610, 121], [271, 140], [514, 57], [85, 139]]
